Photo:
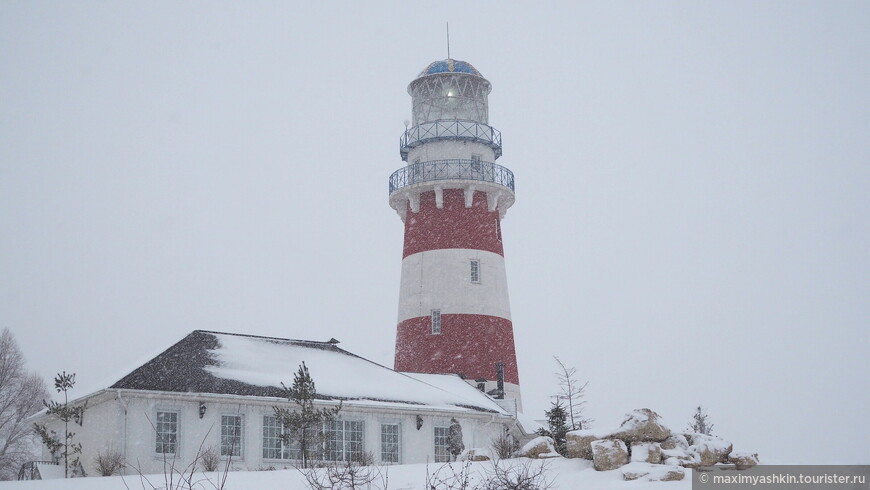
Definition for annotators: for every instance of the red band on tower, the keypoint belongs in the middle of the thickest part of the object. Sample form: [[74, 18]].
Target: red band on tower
[[452, 226]]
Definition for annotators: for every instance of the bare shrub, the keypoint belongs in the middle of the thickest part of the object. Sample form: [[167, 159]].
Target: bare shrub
[[505, 446], [347, 475], [450, 477], [108, 461], [210, 459], [526, 474]]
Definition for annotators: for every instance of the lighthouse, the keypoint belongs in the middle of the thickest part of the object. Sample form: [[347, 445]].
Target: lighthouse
[[454, 312]]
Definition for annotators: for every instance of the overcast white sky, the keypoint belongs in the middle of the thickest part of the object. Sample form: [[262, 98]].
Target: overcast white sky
[[691, 222]]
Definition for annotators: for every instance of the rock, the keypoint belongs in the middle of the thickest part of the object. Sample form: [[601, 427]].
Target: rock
[[675, 441], [608, 454], [475, 454], [646, 452], [539, 447], [708, 450], [642, 425], [679, 457], [652, 472], [579, 442], [743, 460]]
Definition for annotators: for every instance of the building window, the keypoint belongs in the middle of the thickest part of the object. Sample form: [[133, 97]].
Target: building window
[[231, 435], [390, 434], [475, 163], [498, 228], [273, 446], [344, 440], [436, 321], [442, 451], [166, 428], [475, 271]]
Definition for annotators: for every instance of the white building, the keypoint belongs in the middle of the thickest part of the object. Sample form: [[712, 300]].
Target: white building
[[212, 389]]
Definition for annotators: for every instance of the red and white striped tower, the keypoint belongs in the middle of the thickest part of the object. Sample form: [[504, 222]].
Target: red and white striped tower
[[454, 313]]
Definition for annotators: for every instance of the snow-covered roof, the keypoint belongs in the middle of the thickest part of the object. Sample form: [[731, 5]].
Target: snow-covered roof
[[248, 365]]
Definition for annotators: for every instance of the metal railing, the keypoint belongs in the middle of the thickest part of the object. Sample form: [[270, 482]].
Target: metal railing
[[450, 129], [451, 170]]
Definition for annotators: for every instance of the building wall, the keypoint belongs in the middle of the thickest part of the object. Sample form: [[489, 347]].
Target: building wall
[[106, 425]]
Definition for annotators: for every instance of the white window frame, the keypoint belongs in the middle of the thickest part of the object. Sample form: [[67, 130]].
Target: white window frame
[[240, 443], [346, 451], [444, 455], [474, 271], [436, 322], [158, 426], [397, 443], [285, 452]]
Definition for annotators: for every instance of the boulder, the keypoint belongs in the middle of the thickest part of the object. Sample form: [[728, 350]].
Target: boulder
[[679, 457], [676, 441], [475, 454], [539, 447], [608, 454], [646, 452], [642, 425], [652, 472], [579, 442], [708, 450], [742, 460]]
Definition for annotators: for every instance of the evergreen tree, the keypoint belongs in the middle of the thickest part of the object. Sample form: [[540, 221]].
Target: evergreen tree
[[454, 438], [557, 427], [305, 424], [701, 422], [63, 447]]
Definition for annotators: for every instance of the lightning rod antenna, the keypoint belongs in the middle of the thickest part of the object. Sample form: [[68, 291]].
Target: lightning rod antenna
[[448, 40]]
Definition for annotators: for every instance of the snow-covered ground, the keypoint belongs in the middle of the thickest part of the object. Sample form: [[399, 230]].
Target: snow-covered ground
[[564, 473]]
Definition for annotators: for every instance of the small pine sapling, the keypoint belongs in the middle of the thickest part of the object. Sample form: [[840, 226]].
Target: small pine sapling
[[63, 447], [305, 424], [557, 427], [701, 422]]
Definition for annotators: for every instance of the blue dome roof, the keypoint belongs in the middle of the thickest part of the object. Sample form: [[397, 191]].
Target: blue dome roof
[[449, 66]]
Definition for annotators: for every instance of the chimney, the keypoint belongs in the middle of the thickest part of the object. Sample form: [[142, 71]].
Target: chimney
[[499, 376]]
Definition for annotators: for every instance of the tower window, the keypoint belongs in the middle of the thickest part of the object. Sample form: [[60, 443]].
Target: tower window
[[475, 271], [436, 321], [498, 228], [475, 163]]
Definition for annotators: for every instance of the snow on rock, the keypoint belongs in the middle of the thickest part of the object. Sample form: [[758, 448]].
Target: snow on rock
[[676, 441], [579, 441], [476, 454], [742, 460], [538, 448], [652, 472], [646, 452], [679, 457], [642, 425], [708, 450], [608, 454]]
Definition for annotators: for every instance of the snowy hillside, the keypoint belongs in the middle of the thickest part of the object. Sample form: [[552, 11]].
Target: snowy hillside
[[564, 473]]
